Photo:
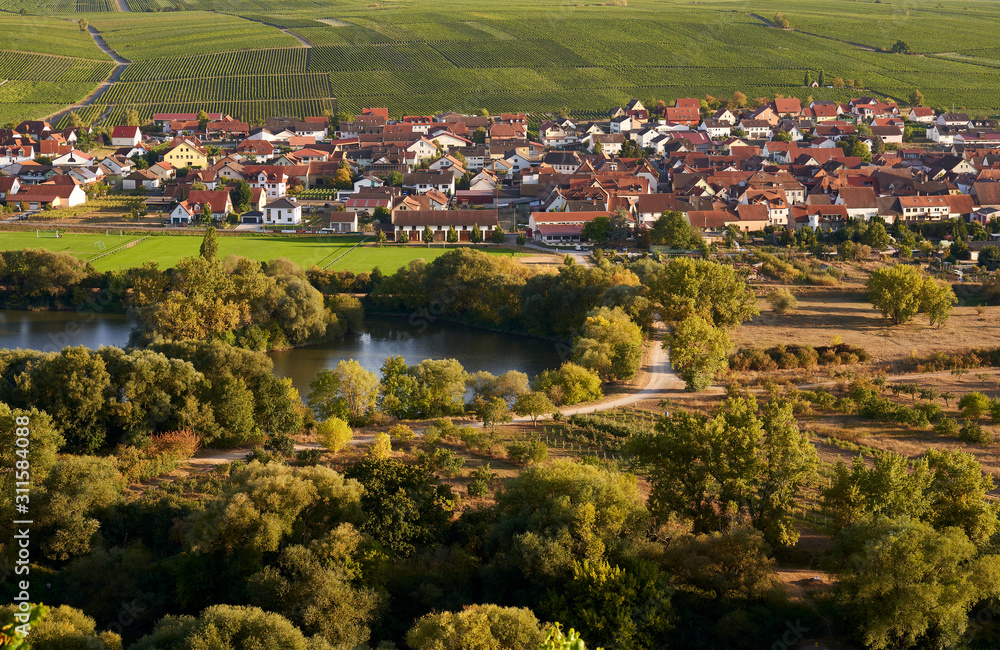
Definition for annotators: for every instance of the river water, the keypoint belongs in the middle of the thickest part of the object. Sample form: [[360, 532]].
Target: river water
[[476, 349]]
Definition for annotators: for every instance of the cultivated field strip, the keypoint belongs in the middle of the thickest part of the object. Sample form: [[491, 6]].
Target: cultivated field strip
[[220, 89], [247, 63], [250, 111], [43, 67]]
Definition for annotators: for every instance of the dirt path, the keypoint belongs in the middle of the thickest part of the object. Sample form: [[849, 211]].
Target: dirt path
[[93, 97], [123, 5], [300, 39], [659, 381], [770, 23]]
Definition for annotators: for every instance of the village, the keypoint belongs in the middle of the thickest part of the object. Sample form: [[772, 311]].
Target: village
[[782, 165]]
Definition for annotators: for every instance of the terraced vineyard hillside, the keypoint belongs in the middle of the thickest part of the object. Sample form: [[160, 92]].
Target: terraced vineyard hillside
[[249, 60]]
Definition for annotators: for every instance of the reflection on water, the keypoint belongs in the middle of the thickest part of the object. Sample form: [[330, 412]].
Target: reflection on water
[[49, 331], [476, 349]]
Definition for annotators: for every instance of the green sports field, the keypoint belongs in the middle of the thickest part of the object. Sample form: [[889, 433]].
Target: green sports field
[[167, 250], [83, 246]]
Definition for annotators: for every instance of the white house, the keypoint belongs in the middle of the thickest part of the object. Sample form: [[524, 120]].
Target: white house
[[922, 114], [141, 178], [182, 215], [367, 181], [126, 136], [275, 185], [74, 158], [716, 128], [756, 129], [283, 211]]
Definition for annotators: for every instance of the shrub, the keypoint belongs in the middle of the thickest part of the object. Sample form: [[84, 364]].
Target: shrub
[[974, 405], [947, 427], [525, 453], [796, 356], [381, 448], [262, 456], [482, 478], [931, 410], [782, 301], [334, 434], [972, 431], [478, 489], [441, 460], [995, 411], [281, 443], [308, 457], [401, 433]]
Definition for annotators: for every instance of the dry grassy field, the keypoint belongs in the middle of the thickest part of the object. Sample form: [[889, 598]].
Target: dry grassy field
[[824, 314]]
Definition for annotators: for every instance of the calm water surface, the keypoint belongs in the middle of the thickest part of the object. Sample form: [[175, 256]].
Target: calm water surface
[[476, 349]]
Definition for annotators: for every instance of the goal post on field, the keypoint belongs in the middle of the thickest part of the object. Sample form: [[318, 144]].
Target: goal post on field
[[52, 234], [99, 245]]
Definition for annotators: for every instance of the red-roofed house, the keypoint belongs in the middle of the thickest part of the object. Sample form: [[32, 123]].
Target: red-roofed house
[[787, 106], [126, 136], [36, 197], [560, 227], [218, 200]]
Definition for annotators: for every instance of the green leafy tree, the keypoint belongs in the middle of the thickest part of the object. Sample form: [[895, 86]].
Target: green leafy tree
[[206, 214], [381, 447], [687, 287], [428, 235], [404, 505], [610, 344], [672, 229], [66, 512], [209, 244], [901, 47], [876, 236], [452, 235], [599, 229], [498, 236], [334, 434], [380, 239], [741, 461], [62, 627], [477, 627], [822, 79], [476, 234], [493, 411], [901, 292], [925, 581], [533, 405], [313, 586], [569, 384], [227, 627], [550, 517], [241, 195], [629, 608], [348, 391], [395, 179], [808, 81], [698, 351], [404, 237]]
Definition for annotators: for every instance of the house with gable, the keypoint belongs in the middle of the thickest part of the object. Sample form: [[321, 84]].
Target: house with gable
[[126, 136]]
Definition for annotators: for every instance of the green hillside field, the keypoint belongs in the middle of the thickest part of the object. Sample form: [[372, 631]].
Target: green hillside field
[[251, 59]]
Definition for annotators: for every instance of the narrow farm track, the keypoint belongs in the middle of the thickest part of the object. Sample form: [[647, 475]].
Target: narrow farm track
[[860, 46], [305, 42], [123, 5], [103, 87]]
